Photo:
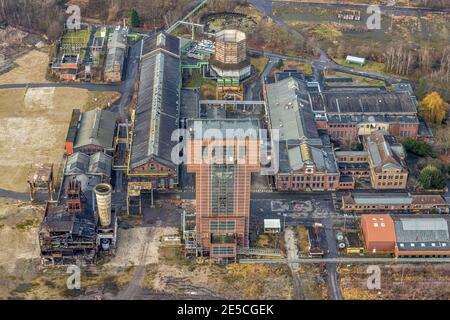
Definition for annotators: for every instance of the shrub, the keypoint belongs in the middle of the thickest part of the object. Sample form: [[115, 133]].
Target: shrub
[[417, 147], [432, 178]]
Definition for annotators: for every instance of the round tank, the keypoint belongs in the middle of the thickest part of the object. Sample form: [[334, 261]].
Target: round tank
[[103, 195], [339, 236], [341, 245]]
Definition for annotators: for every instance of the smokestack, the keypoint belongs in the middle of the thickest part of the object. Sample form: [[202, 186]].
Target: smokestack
[[103, 195]]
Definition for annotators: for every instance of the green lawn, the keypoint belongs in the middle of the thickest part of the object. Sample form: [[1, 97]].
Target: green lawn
[[369, 66]]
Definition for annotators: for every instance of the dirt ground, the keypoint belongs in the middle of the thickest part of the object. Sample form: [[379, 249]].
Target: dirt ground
[[139, 246], [175, 275], [31, 68], [33, 125], [399, 281], [33, 131]]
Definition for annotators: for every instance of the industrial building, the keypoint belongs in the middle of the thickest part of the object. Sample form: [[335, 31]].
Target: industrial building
[[349, 113], [77, 227], [419, 236], [156, 116], [306, 157], [223, 169], [396, 202], [378, 232], [81, 223], [67, 67], [91, 132], [388, 168], [230, 59], [117, 51]]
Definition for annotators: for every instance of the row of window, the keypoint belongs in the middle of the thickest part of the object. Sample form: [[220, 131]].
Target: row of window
[[223, 250], [308, 178], [217, 225], [391, 177], [390, 184]]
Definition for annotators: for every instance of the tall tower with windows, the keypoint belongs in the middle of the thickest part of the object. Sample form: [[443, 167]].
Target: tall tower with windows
[[223, 153]]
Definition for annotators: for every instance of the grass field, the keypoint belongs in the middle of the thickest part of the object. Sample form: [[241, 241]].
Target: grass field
[[207, 86]]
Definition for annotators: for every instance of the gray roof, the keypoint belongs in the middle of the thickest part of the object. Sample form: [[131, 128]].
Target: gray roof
[[228, 127], [357, 102], [118, 38], [157, 109], [382, 198], [115, 57], [162, 41], [80, 163], [97, 128], [422, 234], [290, 111]]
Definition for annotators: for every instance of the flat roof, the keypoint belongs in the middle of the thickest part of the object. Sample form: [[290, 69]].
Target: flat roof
[[272, 224]]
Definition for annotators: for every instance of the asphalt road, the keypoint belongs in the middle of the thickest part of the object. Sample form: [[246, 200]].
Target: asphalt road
[[88, 86]]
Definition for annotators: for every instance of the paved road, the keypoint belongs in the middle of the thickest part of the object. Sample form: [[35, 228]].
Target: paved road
[[88, 86], [253, 92], [334, 291], [362, 260]]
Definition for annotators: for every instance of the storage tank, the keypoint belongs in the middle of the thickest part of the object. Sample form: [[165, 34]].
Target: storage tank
[[103, 195]]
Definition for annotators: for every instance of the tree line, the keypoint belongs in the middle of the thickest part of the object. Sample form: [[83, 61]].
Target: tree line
[[35, 16]]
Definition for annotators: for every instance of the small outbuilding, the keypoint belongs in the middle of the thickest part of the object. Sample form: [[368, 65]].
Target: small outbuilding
[[355, 60], [272, 226]]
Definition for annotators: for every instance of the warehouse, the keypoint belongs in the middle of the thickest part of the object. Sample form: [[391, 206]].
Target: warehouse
[[378, 232], [117, 50], [422, 237], [157, 112], [91, 132], [400, 202], [306, 157], [418, 236]]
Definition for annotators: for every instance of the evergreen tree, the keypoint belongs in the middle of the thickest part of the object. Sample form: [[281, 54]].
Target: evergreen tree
[[135, 21]]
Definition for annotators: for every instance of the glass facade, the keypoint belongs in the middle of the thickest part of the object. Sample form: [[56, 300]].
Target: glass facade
[[222, 189]]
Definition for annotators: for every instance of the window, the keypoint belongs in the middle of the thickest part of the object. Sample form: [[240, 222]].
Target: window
[[222, 189], [223, 250], [227, 226]]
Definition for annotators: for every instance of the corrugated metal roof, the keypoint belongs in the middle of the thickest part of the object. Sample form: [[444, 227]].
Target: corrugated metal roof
[[290, 110], [422, 230], [386, 199], [80, 163], [97, 128], [115, 56], [157, 110]]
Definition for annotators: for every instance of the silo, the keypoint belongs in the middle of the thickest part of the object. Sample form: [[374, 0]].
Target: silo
[[103, 195]]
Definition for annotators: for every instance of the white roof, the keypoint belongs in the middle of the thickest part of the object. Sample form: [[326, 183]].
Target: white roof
[[356, 59], [272, 224]]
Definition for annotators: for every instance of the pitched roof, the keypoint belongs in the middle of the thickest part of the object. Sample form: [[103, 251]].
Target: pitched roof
[[382, 153], [290, 111], [81, 163], [97, 128], [157, 109], [369, 102]]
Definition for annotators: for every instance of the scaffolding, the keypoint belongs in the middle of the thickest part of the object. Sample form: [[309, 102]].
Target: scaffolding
[[40, 178], [134, 196], [189, 235]]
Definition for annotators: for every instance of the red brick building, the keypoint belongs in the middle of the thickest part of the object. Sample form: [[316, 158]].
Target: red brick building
[[223, 169]]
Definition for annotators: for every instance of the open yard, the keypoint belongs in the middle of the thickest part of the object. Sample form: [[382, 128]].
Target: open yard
[[31, 68], [399, 281]]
